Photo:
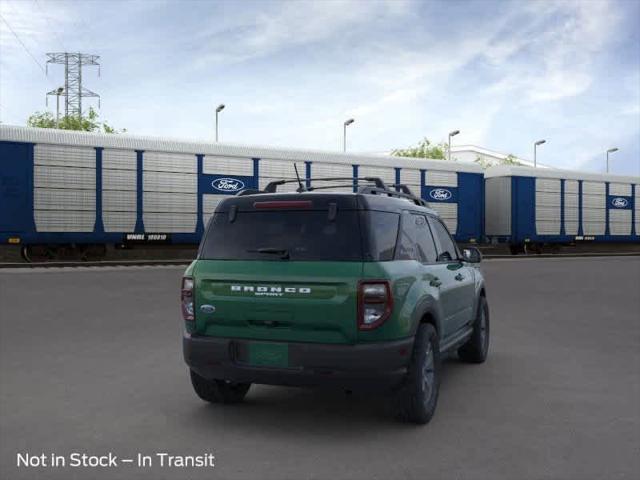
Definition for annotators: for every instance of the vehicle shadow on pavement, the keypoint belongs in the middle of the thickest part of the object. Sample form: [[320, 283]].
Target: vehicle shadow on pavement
[[316, 411]]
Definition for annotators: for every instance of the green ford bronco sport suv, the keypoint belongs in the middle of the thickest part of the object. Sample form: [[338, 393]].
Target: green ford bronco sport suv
[[314, 288]]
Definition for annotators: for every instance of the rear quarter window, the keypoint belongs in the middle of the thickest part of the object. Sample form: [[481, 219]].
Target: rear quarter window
[[382, 228]]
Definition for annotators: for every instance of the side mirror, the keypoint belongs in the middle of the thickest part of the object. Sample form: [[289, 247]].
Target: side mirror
[[471, 255]]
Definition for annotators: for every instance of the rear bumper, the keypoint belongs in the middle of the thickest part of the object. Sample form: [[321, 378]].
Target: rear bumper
[[377, 365]]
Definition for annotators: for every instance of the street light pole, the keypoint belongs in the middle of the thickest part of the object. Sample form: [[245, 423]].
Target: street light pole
[[611, 150], [535, 152], [452, 134], [218, 110], [58, 93], [344, 133]]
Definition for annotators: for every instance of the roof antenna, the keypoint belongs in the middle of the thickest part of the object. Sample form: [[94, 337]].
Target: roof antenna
[[301, 188]]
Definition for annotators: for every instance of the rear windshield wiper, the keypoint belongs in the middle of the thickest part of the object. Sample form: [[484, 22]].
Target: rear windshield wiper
[[283, 252]]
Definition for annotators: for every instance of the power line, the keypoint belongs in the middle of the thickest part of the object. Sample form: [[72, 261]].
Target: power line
[[23, 45], [48, 20]]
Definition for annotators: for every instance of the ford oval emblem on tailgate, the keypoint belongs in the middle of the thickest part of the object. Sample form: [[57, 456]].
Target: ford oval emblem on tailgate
[[207, 308]]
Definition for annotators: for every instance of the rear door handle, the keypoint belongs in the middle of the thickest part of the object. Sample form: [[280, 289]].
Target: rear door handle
[[459, 277]]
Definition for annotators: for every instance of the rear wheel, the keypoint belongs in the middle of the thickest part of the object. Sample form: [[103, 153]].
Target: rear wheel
[[477, 347], [218, 391], [417, 399]]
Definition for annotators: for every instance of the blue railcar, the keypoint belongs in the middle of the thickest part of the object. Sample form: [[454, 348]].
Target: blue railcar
[[527, 206], [78, 188]]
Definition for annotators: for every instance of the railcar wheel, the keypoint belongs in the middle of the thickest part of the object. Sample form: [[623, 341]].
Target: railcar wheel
[[24, 253]]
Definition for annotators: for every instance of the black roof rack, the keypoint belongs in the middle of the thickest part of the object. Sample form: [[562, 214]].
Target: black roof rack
[[378, 187]]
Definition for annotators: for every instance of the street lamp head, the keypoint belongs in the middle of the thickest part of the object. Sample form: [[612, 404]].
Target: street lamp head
[[540, 142], [220, 108], [454, 133], [349, 122], [60, 90], [611, 150]]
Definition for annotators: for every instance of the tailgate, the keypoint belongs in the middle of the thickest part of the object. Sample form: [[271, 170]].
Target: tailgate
[[275, 300]]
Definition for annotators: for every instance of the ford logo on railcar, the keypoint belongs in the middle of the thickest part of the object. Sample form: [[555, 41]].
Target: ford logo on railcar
[[228, 184], [619, 202], [440, 194]]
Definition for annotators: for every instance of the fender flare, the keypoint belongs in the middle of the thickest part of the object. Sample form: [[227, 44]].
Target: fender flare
[[426, 306]]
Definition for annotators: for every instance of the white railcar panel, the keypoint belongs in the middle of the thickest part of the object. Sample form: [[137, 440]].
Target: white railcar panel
[[441, 179], [169, 222], [547, 185], [571, 200], [548, 227], [548, 199], [594, 214], [571, 186], [571, 204], [593, 188], [64, 196], [321, 169], [170, 182], [547, 213], [64, 221], [593, 228], [548, 220], [619, 222], [623, 189], [119, 221], [448, 213], [119, 201], [169, 162], [64, 177], [571, 227], [387, 174], [571, 214], [594, 202], [119, 180], [119, 159], [170, 202], [227, 166], [64, 199], [411, 177], [279, 169], [64, 156]]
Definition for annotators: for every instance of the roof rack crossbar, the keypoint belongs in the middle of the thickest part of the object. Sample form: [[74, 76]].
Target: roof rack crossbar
[[273, 186], [393, 193], [378, 187]]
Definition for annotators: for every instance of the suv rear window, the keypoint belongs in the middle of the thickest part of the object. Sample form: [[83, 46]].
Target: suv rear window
[[275, 235]]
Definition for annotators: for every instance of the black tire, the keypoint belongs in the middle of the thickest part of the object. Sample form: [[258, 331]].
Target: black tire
[[477, 347], [218, 391], [417, 398]]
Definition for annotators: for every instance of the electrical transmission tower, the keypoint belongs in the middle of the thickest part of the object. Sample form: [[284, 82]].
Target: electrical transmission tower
[[73, 90]]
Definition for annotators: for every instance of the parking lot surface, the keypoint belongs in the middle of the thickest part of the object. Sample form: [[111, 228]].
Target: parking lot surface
[[91, 361]]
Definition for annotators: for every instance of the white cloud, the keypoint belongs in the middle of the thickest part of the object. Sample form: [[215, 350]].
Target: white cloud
[[258, 33]]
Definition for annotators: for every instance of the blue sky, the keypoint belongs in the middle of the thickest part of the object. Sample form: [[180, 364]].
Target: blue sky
[[504, 73]]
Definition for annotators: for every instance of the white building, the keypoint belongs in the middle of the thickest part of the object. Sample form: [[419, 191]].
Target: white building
[[470, 153]]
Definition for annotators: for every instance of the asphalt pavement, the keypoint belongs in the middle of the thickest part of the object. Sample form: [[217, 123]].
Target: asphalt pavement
[[91, 362]]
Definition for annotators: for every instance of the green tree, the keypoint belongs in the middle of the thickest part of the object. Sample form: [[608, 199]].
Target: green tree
[[508, 160], [86, 123], [424, 149]]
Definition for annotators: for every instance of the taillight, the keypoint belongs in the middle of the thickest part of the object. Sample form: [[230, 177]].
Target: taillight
[[375, 303], [187, 299]]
